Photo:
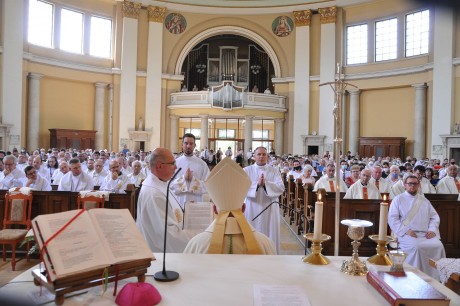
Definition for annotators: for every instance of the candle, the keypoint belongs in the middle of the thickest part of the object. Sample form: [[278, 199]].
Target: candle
[[383, 220], [317, 230]]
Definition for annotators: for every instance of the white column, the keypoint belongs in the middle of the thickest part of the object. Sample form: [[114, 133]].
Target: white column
[[443, 101], [110, 119], [344, 122], [327, 74], [99, 114], [154, 70], [11, 70], [127, 115], [33, 111], [300, 122], [248, 133], [420, 121], [354, 122], [174, 126], [204, 131], [279, 123]]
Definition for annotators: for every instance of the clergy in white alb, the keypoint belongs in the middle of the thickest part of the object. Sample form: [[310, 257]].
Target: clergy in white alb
[[327, 181], [193, 168], [425, 184], [151, 207], [10, 176], [188, 188], [116, 181], [449, 184], [415, 222], [382, 185], [34, 181], [266, 187], [75, 180], [137, 176], [362, 189], [230, 232]]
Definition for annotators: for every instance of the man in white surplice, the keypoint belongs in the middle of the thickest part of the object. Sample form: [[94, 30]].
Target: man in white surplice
[[416, 224], [267, 185], [151, 207]]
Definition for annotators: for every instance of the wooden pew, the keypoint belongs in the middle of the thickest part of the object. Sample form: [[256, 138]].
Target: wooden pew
[[49, 202]]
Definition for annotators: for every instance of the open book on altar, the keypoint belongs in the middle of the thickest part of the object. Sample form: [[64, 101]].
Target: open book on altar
[[95, 239]]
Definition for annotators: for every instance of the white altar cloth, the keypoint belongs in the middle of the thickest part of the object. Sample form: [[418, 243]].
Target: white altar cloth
[[229, 280]]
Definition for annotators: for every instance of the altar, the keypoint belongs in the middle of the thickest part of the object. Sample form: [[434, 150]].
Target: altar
[[230, 279]]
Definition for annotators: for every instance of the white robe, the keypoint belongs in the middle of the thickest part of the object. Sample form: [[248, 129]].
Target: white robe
[[98, 178], [419, 249], [323, 182], [200, 171], [397, 189], [447, 185], [188, 192], [426, 186], [39, 184], [384, 185], [79, 183], [115, 186], [13, 179], [136, 179], [200, 243], [356, 191], [151, 210], [268, 222]]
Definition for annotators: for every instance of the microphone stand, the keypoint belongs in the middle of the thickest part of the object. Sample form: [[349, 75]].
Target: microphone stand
[[167, 276]]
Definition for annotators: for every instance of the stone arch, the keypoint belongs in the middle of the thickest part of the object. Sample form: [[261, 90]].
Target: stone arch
[[229, 30]]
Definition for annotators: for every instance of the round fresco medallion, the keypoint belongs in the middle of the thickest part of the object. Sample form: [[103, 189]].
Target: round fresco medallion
[[175, 23], [282, 26]]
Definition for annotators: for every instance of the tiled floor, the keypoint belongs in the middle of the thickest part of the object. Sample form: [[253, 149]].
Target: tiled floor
[[290, 245]]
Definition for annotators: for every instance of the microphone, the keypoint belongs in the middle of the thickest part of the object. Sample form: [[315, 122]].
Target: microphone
[[167, 276]]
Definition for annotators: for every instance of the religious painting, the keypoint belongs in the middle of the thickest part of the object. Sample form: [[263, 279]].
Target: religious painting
[[175, 23], [282, 26]]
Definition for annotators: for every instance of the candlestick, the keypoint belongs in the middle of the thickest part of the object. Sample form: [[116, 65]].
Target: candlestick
[[318, 228], [383, 221]]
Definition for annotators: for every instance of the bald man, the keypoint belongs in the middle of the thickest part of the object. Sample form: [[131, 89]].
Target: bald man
[[362, 189]]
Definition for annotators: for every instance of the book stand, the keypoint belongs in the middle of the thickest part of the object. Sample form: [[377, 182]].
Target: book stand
[[91, 278]]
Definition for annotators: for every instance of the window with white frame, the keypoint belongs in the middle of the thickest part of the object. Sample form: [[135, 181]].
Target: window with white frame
[[357, 45], [225, 133], [386, 39], [100, 37], [417, 33], [71, 26], [260, 134], [195, 132], [40, 30], [71, 38]]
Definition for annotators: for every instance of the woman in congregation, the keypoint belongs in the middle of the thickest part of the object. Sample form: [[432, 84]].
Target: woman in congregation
[[355, 170], [306, 177]]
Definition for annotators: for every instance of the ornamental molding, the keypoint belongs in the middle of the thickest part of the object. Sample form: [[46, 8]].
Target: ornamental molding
[[131, 9], [302, 18], [156, 13], [327, 14]]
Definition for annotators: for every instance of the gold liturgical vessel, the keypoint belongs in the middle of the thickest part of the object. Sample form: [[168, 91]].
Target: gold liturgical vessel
[[355, 266], [381, 258], [316, 258]]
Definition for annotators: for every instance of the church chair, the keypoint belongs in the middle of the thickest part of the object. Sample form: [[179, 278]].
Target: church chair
[[16, 221], [91, 199]]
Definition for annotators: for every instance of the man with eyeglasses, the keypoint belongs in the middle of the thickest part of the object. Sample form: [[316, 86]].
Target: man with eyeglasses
[[75, 180], [34, 181], [415, 222], [151, 206], [116, 181], [189, 184], [10, 177]]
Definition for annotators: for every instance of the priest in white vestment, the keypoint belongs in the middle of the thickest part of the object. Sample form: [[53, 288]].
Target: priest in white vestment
[[230, 232], [151, 207], [189, 182], [116, 181], [137, 176], [362, 189], [327, 181], [415, 222], [75, 180], [266, 187], [34, 181], [379, 182], [449, 184], [11, 176], [425, 184]]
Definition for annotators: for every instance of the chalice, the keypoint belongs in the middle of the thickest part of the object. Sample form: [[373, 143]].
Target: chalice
[[355, 266]]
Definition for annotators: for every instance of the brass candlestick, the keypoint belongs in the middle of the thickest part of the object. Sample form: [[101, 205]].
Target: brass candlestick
[[381, 258], [316, 258], [354, 266]]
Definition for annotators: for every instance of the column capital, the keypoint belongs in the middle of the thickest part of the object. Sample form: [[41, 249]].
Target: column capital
[[35, 76], [110, 86], [249, 117], [100, 85], [420, 86], [156, 13], [302, 18], [279, 120], [203, 116], [354, 92], [131, 9], [328, 14]]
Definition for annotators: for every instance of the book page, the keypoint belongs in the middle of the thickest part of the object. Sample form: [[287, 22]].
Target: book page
[[280, 295], [76, 249], [120, 237], [197, 216]]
